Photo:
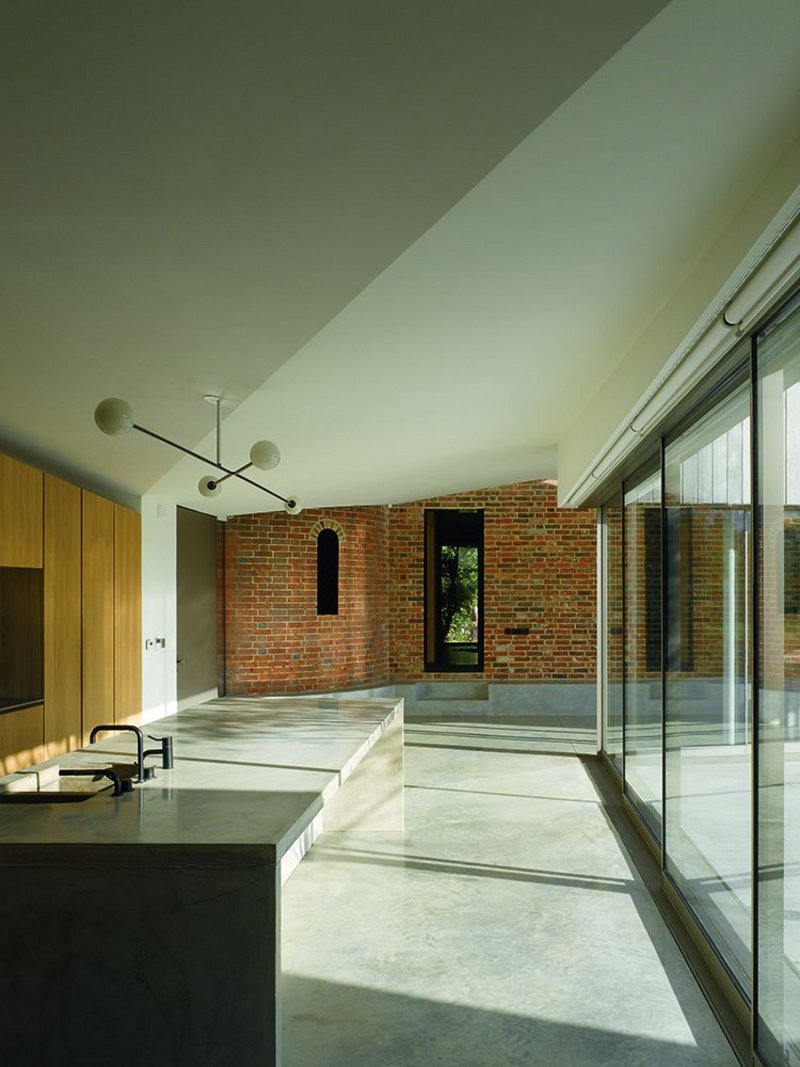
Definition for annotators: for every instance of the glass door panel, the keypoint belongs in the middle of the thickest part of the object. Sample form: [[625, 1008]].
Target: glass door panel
[[707, 686], [778, 1023], [643, 705], [612, 626]]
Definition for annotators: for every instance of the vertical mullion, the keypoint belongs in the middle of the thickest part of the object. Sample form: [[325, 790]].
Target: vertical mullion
[[480, 665], [602, 630], [755, 708], [222, 530], [664, 648], [624, 648]]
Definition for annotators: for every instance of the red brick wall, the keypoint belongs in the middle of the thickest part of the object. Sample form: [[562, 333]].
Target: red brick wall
[[275, 641], [539, 571], [614, 593], [701, 579]]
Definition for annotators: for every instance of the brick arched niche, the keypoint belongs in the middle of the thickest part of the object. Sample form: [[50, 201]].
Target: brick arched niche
[[326, 524], [327, 535]]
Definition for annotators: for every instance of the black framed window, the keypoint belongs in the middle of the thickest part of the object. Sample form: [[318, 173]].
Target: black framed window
[[327, 572], [453, 590]]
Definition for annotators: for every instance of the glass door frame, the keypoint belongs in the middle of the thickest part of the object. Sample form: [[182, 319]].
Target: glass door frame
[[653, 465]]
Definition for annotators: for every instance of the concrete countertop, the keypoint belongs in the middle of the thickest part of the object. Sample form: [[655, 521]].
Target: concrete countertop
[[250, 774]]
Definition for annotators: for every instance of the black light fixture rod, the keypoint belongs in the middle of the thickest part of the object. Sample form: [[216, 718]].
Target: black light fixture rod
[[284, 499], [188, 451], [234, 474], [205, 459]]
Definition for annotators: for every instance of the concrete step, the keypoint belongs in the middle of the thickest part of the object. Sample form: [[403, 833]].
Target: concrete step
[[438, 692]]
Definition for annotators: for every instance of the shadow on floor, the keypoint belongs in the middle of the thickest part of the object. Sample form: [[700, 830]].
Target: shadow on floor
[[510, 796], [555, 750], [327, 1024], [544, 735], [464, 868], [661, 922]]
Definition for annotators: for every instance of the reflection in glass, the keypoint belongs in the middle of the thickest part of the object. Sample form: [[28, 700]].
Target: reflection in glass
[[643, 647], [778, 1026], [708, 773], [612, 622]]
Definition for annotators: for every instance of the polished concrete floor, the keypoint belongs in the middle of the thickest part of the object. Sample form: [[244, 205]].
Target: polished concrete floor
[[505, 926]]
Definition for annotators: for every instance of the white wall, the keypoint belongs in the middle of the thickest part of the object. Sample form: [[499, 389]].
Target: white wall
[[159, 609]]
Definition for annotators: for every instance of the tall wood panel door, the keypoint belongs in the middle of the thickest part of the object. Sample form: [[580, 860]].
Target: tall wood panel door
[[20, 514], [62, 616], [98, 611], [127, 615]]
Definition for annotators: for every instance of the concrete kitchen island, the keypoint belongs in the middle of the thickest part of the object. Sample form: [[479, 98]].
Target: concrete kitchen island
[[147, 926]]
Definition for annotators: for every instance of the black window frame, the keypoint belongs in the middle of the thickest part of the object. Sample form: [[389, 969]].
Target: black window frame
[[441, 526], [327, 572]]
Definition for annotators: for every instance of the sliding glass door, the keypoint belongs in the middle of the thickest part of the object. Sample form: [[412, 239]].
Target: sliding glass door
[[708, 672], [643, 705], [778, 397], [700, 617]]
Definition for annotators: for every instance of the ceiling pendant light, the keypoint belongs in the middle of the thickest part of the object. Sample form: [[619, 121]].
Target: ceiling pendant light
[[114, 417]]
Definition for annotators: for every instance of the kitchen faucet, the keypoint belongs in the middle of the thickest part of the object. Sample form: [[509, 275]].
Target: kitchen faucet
[[166, 751], [145, 773]]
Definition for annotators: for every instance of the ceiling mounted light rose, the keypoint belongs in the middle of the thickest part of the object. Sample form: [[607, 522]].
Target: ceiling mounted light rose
[[114, 417]]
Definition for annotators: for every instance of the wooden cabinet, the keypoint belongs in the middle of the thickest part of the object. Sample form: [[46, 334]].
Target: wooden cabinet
[[85, 639], [97, 599], [62, 616], [20, 514], [127, 615], [21, 739]]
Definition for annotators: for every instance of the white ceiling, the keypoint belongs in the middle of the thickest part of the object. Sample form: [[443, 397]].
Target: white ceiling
[[408, 241]]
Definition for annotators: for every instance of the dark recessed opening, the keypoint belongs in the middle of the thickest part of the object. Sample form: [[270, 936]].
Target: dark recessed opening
[[327, 573], [453, 590], [21, 637]]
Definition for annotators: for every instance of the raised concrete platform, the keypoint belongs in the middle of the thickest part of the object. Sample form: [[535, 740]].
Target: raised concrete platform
[[438, 700]]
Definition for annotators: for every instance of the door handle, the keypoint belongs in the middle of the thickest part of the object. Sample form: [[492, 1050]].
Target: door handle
[[181, 659]]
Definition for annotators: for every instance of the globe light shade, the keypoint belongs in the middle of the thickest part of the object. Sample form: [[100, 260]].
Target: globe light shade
[[113, 416], [209, 486], [265, 455], [292, 506]]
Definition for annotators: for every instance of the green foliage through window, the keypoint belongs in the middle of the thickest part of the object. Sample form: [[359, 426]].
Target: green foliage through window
[[459, 593]]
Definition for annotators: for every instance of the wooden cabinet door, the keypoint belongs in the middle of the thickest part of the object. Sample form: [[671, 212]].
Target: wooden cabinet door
[[20, 514], [127, 615], [98, 611], [62, 616], [21, 737]]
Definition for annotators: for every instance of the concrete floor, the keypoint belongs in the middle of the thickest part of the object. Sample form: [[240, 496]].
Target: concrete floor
[[506, 926]]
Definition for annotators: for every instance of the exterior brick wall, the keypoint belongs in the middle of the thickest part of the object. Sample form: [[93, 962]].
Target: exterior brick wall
[[539, 572], [701, 577], [643, 652], [699, 543], [614, 593], [275, 641]]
